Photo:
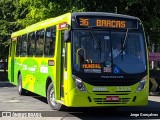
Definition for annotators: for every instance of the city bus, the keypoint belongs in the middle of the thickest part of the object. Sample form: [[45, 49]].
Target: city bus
[[70, 60]]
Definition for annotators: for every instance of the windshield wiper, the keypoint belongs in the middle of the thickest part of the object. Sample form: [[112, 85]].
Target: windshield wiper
[[124, 43], [95, 39]]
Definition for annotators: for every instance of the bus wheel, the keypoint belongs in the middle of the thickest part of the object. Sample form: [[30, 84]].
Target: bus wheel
[[21, 91], [51, 99]]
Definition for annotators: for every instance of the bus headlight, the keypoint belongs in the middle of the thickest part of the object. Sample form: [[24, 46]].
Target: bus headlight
[[141, 85], [79, 84]]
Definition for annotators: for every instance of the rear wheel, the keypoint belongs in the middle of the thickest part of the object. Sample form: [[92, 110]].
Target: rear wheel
[[21, 91], [51, 99]]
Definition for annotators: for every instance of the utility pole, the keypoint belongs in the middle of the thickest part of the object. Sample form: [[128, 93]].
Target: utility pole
[[153, 48], [115, 9]]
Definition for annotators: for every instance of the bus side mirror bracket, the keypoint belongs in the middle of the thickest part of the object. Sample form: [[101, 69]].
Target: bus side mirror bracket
[[67, 36]]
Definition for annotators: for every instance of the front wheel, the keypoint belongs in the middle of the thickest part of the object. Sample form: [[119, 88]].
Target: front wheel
[[51, 99], [21, 91]]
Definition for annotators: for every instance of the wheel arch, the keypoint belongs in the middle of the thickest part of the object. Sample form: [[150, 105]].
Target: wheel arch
[[48, 81], [19, 73]]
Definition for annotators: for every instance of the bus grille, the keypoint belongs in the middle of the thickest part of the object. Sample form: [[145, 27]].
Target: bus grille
[[103, 101]]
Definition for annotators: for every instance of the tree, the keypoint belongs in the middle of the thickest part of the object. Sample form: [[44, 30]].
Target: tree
[[16, 14], [43, 9], [10, 11], [149, 12]]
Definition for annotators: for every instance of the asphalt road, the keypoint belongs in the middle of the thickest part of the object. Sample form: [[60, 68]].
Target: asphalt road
[[10, 101]]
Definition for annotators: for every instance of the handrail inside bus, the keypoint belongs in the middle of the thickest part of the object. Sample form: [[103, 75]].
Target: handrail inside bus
[[78, 52]]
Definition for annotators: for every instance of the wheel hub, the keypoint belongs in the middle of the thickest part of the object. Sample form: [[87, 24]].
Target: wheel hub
[[52, 99]]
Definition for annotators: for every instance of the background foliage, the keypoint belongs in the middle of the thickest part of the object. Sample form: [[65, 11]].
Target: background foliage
[[17, 14]]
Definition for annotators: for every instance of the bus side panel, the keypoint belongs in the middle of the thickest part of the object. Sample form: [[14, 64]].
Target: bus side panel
[[42, 73], [17, 68], [34, 73], [29, 67]]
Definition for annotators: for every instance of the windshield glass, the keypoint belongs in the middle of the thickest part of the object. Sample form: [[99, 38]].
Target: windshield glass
[[101, 52]]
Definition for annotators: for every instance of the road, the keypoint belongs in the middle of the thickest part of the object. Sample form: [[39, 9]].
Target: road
[[11, 101]]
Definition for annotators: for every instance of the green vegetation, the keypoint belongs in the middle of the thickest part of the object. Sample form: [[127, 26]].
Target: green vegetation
[[16, 14], [10, 12]]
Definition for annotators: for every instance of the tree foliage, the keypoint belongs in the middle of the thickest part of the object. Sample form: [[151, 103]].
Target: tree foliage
[[147, 10], [16, 14], [43, 9], [10, 11]]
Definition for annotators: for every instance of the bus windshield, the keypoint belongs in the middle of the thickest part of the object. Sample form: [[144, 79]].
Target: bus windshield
[[96, 51]]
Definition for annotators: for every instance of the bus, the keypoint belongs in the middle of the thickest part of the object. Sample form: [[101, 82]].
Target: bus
[[70, 60]]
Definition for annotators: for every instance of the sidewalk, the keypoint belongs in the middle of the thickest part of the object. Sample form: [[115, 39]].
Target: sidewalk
[[6, 84], [3, 76]]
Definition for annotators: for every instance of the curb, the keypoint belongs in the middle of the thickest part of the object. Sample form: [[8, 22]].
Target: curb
[[6, 84]]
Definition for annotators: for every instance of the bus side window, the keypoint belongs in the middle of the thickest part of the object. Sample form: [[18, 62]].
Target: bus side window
[[18, 46], [50, 41], [23, 50], [39, 43], [31, 44], [47, 41]]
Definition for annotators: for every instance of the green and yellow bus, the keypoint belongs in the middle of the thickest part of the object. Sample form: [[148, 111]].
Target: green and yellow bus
[[72, 60]]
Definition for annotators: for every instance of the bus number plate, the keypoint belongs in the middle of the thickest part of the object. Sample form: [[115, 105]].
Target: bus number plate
[[112, 98]]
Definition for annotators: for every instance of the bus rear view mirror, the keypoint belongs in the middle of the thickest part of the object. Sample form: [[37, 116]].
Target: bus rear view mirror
[[67, 36]]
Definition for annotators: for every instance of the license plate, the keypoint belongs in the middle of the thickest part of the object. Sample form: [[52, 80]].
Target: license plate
[[112, 98]]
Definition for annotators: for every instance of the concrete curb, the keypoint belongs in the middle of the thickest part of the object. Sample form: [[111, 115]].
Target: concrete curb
[[6, 84]]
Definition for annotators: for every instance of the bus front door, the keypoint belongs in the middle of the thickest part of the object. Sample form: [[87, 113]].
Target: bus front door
[[12, 68], [62, 65]]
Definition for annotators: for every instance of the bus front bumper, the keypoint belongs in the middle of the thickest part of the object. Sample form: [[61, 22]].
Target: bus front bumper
[[85, 99]]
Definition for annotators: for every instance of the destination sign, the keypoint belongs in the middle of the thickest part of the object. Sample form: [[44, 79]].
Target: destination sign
[[107, 22]]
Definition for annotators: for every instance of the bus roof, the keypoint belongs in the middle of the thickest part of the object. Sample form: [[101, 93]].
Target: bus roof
[[40, 25]]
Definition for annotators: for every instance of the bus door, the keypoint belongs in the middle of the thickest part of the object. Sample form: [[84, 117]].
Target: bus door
[[62, 65], [12, 60]]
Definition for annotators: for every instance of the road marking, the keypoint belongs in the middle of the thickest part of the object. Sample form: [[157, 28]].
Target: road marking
[[13, 101]]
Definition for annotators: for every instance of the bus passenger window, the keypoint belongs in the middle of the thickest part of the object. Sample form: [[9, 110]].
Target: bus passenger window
[[18, 46], [50, 41], [31, 44], [23, 50], [39, 43]]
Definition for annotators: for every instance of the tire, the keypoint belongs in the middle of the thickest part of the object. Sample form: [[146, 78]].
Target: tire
[[51, 100], [21, 91]]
